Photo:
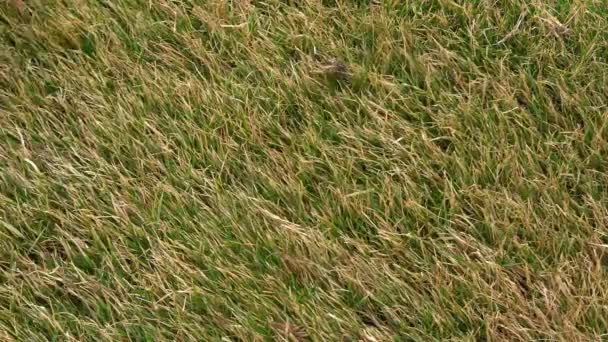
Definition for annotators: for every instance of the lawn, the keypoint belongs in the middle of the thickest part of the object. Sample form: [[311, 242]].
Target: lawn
[[303, 170]]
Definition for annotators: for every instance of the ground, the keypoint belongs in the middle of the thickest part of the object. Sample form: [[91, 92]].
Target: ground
[[303, 170]]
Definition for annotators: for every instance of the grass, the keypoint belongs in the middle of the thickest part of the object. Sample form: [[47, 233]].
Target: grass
[[303, 170]]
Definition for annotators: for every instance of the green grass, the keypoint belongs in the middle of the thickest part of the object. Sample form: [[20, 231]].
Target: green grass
[[303, 170]]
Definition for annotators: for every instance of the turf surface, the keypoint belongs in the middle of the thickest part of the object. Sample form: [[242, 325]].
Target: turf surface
[[303, 170]]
